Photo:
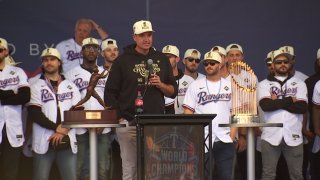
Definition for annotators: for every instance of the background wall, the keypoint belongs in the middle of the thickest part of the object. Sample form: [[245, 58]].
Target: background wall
[[259, 26]]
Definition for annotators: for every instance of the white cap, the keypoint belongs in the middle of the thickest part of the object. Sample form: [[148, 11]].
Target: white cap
[[279, 52], [90, 41], [219, 49], [9, 60], [234, 47], [51, 52], [269, 57], [212, 56], [318, 54], [142, 26], [192, 53], [170, 49], [108, 43], [287, 49], [3, 43]]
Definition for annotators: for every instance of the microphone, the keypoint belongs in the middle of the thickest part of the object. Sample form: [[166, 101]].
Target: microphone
[[149, 65]]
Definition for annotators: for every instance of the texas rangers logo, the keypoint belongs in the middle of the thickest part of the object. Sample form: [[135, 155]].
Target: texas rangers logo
[[9, 82], [205, 98], [46, 95], [81, 84], [72, 55], [64, 96], [284, 93]]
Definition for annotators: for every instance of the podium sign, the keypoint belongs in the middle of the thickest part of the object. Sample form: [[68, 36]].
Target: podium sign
[[171, 147]]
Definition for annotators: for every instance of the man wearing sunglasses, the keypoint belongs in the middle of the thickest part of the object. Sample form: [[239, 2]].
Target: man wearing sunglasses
[[14, 92], [212, 95], [80, 76], [174, 106], [191, 61], [283, 98]]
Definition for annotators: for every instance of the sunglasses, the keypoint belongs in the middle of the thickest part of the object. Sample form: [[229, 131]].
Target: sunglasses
[[206, 63], [281, 61], [1, 50], [193, 59]]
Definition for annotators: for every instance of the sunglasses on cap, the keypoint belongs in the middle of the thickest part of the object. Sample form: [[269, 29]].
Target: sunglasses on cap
[[211, 63], [193, 59], [281, 61], [2, 49]]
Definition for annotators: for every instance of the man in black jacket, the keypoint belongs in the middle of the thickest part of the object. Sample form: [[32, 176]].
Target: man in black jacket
[[139, 69]]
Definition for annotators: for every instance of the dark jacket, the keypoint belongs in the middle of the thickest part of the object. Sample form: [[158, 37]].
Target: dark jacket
[[128, 75]]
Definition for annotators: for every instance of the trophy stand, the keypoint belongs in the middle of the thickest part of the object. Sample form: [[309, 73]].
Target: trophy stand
[[91, 119], [244, 109]]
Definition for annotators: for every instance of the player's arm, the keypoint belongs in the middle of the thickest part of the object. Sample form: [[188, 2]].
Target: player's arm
[[102, 33], [297, 107], [8, 97], [187, 111], [268, 104], [35, 113], [316, 118]]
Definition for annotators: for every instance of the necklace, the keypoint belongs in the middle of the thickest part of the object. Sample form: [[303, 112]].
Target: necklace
[[217, 95]]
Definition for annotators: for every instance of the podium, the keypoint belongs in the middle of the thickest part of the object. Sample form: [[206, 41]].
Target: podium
[[91, 119], [173, 146]]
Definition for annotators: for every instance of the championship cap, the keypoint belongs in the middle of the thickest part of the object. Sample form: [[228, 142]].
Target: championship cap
[[142, 26], [219, 49], [170, 49], [234, 47], [193, 53], [318, 54], [288, 49], [279, 52], [90, 41], [51, 52], [108, 43], [212, 56], [269, 58], [9, 60], [3, 43]]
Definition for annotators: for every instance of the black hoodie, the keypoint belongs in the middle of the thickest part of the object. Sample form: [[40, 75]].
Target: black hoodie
[[127, 73]]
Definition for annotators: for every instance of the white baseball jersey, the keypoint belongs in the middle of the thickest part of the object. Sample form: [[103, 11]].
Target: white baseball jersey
[[316, 94], [300, 75], [206, 97], [183, 85], [12, 78], [81, 77], [43, 96], [200, 76], [70, 54], [292, 123]]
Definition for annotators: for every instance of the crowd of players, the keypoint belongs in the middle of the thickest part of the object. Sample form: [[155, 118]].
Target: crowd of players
[[286, 96]]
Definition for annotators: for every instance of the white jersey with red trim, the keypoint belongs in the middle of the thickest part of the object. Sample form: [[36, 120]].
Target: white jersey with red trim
[[43, 96], [81, 77], [183, 85], [206, 97], [12, 78], [291, 131]]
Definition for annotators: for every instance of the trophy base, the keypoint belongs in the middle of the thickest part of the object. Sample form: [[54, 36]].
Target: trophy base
[[90, 117], [244, 119]]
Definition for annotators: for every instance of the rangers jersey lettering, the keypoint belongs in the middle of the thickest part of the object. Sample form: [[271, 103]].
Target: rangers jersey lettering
[[292, 123], [206, 97]]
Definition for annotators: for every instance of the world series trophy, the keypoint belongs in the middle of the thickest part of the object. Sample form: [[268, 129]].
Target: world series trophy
[[244, 108]]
